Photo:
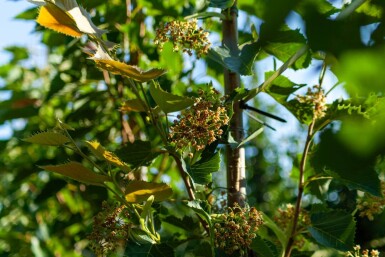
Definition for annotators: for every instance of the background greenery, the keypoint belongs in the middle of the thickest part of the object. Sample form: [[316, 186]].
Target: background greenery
[[43, 215]]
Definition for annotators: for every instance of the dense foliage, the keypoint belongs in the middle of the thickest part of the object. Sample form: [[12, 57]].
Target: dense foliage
[[127, 124]]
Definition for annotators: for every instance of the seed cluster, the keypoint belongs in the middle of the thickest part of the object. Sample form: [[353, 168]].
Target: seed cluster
[[110, 230], [363, 253], [284, 219], [370, 205], [200, 125], [235, 230], [316, 98], [185, 35]]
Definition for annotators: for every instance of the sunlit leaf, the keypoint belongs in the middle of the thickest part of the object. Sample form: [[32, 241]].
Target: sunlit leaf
[[78, 172], [130, 71], [139, 191], [52, 17], [100, 152], [134, 105], [48, 138], [169, 102], [333, 229]]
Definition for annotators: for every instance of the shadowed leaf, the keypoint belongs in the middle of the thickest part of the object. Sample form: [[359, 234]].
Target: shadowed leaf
[[48, 138], [78, 172]]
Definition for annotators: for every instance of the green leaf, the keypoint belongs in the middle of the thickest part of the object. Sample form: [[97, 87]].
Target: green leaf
[[241, 62], [262, 247], [187, 223], [333, 229], [338, 160], [251, 137], [197, 208], [137, 154], [48, 138], [201, 170], [281, 87], [285, 44], [78, 172], [223, 4], [29, 14], [139, 191], [322, 6], [168, 102], [148, 250]]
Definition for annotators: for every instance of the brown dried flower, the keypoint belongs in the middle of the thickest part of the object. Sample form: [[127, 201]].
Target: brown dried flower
[[235, 230], [316, 98], [185, 35], [110, 230], [369, 205], [200, 125]]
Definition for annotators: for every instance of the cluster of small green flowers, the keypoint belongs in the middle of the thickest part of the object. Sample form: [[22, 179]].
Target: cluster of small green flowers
[[363, 253], [110, 230], [369, 205], [235, 230], [316, 98], [184, 35], [285, 217], [200, 125]]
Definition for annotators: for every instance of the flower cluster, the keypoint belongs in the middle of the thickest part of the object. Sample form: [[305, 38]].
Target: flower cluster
[[110, 230], [369, 205], [285, 217], [235, 230], [363, 253], [184, 35], [200, 125], [316, 98]]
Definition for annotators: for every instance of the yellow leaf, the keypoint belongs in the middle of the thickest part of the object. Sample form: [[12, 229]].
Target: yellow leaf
[[101, 153], [78, 172], [139, 191], [123, 69], [132, 105], [53, 17]]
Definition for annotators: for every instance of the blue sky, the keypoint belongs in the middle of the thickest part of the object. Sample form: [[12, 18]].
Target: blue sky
[[15, 32]]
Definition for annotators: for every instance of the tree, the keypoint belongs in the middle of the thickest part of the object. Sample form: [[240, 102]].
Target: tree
[[119, 120]]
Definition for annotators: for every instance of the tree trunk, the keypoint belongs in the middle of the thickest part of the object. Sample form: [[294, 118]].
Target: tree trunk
[[235, 157]]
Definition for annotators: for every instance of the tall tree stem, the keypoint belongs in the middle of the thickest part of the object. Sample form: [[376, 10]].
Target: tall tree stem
[[235, 157]]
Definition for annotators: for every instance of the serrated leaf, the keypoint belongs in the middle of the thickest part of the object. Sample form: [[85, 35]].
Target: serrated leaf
[[281, 87], [197, 208], [130, 71], [78, 172], [333, 229], [223, 4], [53, 17], [262, 248], [338, 160], [139, 191], [168, 102], [134, 105], [48, 138], [284, 44], [201, 170], [102, 154], [137, 154], [241, 62]]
